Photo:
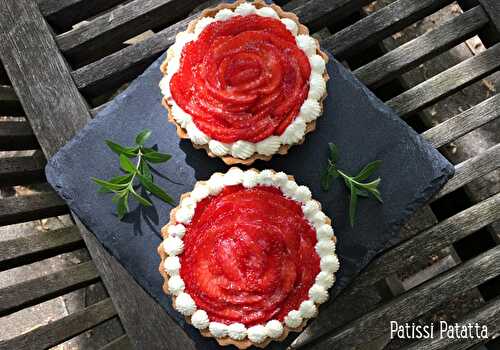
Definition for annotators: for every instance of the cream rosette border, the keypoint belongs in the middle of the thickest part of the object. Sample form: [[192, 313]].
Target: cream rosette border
[[172, 247], [244, 152]]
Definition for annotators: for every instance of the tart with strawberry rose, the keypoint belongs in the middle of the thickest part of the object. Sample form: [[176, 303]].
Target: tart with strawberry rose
[[244, 81], [248, 257]]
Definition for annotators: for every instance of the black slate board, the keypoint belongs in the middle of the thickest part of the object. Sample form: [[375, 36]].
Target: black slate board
[[362, 126]]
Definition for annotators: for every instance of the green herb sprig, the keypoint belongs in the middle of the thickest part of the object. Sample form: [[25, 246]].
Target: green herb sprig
[[355, 184], [139, 173]]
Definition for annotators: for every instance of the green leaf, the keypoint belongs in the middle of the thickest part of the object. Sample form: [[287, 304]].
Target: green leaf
[[334, 153], [155, 190], [368, 170], [121, 179], [142, 137], [353, 201], [145, 171], [119, 149], [113, 187], [140, 198], [126, 164], [122, 206], [156, 157], [326, 180]]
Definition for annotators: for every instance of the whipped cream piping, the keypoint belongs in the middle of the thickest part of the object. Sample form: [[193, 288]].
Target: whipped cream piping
[[325, 248], [310, 110]]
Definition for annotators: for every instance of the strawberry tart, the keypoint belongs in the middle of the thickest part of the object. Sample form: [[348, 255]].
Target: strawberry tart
[[248, 257], [244, 81]]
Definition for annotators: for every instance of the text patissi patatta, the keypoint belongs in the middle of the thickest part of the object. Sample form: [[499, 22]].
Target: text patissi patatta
[[441, 329]]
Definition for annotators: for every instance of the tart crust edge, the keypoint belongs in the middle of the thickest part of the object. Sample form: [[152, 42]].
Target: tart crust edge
[[225, 341], [310, 126]]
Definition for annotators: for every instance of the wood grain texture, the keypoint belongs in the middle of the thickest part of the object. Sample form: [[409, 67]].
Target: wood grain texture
[[464, 123], [157, 330], [380, 24], [18, 296], [447, 82], [107, 32], [492, 8], [121, 343], [417, 301], [9, 103], [22, 170], [62, 14], [56, 332], [421, 49], [26, 250], [471, 169], [14, 210], [17, 136], [437, 237], [39, 75]]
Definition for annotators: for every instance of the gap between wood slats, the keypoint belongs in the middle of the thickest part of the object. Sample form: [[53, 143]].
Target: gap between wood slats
[[417, 301], [22, 170], [437, 237], [488, 315], [464, 123], [380, 24], [471, 169], [447, 82], [107, 32], [42, 245], [32, 207], [62, 14], [57, 332], [121, 343], [112, 67], [426, 46], [19, 296], [9, 103], [17, 136]]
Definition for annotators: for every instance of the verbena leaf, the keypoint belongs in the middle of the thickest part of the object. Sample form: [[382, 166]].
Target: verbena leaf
[[156, 157], [155, 190], [368, 170], [109, 185], [145, 171], [142, 137], [353, 204], [121, 206], [334, 153], [140, 198], [121, 179], [126, 164], [119, 149]]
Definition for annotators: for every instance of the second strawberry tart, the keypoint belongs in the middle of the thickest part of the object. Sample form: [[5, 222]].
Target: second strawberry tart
[[244, 81], [248, 256]]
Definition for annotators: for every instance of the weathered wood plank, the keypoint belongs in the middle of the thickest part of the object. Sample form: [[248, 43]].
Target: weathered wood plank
[[464, 123], [417, 301], [437, 237], [26, 250], [56, 332], [9, 103], [107, 32], [488, 315], [157, 330], [121, 343], [492, 8], [447, 82], [17, 136], [18, 296], [22, 170], [26, 208], [380, 24], [471, 169], [62, 14], [45, 92], [426, 46]]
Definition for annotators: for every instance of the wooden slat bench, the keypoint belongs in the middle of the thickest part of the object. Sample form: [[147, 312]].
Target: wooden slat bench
[[85, 63]]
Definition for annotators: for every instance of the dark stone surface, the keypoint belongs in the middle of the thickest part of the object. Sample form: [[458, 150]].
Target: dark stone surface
[[361, 125]]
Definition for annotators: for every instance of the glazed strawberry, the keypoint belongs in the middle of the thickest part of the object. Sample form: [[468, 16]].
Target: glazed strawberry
[[249, 255], [242, 79]]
